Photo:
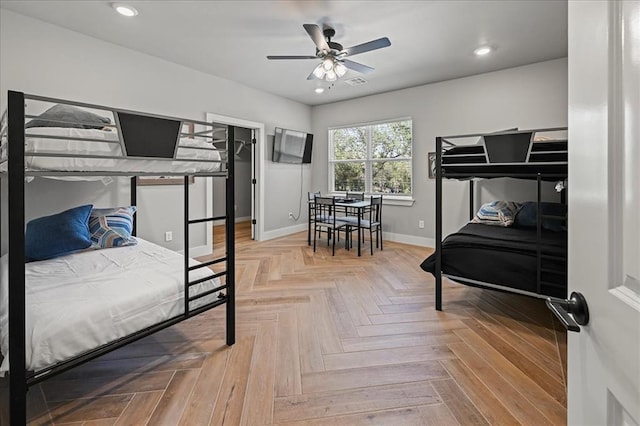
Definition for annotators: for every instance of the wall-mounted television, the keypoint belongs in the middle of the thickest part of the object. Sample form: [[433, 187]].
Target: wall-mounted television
[[292, 146]]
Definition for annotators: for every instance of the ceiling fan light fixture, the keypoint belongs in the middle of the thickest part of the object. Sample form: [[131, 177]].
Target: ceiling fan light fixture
[[327, 64], [333, 64], [125, 9], [340, 69], [319, 72]]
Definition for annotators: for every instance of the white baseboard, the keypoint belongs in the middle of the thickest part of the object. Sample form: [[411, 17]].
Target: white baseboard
[[198, 251], [387, 236], [238, 220], [276, 233], [409, 239]]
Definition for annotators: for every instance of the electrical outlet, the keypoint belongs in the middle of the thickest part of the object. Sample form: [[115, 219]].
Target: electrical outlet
[[421, 224], [168, 236], [291, 215]]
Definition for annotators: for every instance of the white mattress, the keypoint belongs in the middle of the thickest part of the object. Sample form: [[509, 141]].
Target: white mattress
[[80, 301], [75, 147]]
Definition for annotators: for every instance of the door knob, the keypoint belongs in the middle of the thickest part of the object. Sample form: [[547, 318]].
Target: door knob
[[572, 312]]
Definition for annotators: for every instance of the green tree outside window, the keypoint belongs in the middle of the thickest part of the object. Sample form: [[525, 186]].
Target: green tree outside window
[[373, 158]]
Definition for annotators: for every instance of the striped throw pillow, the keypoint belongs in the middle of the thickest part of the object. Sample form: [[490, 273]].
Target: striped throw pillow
[[498, 213], [112, 227]]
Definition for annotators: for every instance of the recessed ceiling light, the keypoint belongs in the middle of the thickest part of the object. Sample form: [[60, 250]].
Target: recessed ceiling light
[[482, 50], [319, 89], [124, 9]]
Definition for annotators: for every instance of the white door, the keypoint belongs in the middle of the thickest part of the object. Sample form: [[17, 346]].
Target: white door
[[604, 210]]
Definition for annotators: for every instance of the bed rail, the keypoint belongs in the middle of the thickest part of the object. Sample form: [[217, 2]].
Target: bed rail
[[132, 137], [519, 154]]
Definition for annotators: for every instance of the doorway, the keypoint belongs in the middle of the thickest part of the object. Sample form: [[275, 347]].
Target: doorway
[[243, 174], [250, 143]]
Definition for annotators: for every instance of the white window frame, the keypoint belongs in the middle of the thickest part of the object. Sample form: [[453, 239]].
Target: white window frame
[[399, 199]]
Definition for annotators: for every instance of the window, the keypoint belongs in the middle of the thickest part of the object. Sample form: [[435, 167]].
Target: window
[[373, 158]]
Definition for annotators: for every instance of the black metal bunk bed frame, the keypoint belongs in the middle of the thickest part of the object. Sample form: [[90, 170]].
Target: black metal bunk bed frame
[[528, 170], [19, 378]]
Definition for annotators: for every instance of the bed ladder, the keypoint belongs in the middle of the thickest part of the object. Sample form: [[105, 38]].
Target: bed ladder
[[547, 265], [229, 258]]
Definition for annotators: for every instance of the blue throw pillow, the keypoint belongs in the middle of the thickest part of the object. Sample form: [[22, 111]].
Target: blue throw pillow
[[112, 227], [498, 213], [63, 233], [528, 214]]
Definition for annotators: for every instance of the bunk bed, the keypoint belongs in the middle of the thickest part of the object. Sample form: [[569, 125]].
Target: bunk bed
[[530, 261], [84, 304]]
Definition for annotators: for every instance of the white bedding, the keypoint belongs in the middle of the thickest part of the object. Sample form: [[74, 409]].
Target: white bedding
[[81, 301], [39, 145]]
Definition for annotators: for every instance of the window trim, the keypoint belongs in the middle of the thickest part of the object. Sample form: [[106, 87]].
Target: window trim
[[387, 200], [402, 199]]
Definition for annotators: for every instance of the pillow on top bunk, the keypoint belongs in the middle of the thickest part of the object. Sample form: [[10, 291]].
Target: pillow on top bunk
[[528, 214], [69, 113], [59, 234], [112, 227], [498, 213]]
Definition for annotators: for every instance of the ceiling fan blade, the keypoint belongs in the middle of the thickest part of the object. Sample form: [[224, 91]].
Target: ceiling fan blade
[[317, 36], [355, 66], [312, 76], [291, 57], [368, 46]]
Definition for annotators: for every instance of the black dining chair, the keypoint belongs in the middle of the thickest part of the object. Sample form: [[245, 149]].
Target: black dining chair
[[374, 223], [312, 213], [371, 220], [326, 219], [357, 196]]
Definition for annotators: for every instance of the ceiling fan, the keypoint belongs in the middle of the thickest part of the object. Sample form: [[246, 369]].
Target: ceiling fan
[[334, 63]]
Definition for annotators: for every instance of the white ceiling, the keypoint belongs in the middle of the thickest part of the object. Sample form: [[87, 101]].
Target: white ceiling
[[430, 40]]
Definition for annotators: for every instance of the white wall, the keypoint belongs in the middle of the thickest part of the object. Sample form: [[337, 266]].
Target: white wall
[[294, 181], [39, 58], [527, 97]]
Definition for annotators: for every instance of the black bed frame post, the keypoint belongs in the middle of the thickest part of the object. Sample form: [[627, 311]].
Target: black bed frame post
[[186, 246], [472, 211], [539, 235], [17, 364], [134, 202], [439, 223], [230, 238]]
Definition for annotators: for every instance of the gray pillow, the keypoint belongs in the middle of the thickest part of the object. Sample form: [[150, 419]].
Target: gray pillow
[[69, 113]]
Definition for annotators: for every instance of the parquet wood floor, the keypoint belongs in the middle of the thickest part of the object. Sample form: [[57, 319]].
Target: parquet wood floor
[[341, 340]]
